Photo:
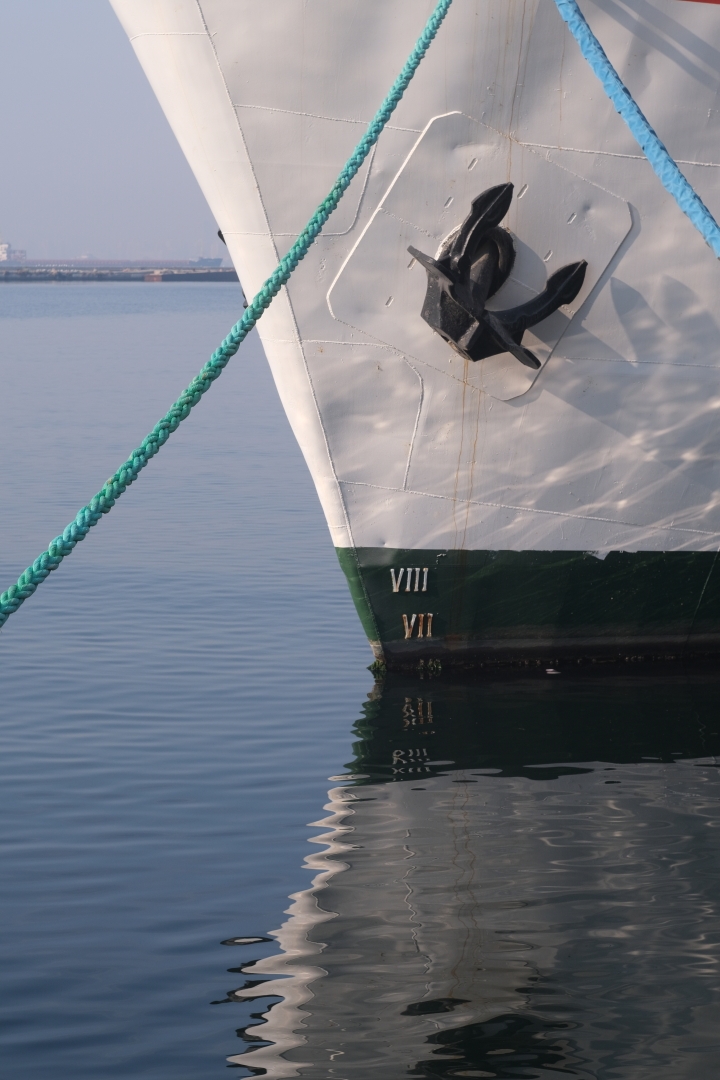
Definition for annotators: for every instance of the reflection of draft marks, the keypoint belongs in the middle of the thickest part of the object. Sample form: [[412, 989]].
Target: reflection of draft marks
[[397, 581], [410, 761], [423, 630], [411, 717]]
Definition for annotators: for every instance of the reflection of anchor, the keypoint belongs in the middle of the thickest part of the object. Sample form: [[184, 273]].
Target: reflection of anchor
[[473, 263]]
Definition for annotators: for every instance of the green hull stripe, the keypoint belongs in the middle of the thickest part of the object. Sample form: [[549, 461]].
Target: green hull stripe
[[523, 603], [349, 562]]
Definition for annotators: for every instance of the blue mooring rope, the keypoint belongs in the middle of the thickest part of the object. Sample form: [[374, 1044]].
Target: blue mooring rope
[[662, 163], [111, 491]]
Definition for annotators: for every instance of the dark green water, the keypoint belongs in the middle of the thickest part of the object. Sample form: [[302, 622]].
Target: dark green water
[[509, 877]]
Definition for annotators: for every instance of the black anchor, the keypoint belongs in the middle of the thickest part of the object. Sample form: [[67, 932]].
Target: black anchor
[[471, 267]]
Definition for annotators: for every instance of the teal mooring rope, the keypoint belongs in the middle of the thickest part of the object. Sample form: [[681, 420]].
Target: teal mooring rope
[[111, 491]]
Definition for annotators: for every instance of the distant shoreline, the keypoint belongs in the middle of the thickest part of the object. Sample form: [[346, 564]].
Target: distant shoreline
[[118, 272]]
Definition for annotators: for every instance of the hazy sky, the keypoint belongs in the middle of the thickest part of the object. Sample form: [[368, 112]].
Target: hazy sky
[[88, 164]]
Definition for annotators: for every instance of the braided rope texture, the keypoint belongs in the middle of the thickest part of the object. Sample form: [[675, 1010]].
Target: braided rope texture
[[116, 486], [664, 167]]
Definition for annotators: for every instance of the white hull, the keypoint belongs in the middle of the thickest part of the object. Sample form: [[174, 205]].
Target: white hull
[[614, 446]]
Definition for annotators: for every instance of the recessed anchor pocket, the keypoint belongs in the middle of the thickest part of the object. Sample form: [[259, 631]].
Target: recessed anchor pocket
[[473, 264]]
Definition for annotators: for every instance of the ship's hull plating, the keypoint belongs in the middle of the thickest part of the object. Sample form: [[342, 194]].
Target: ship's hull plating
[[570, 511], [468, 607]]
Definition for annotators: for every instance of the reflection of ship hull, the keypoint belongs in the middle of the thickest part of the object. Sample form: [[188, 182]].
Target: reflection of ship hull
[[570, 511], [487, 906], [405, 953]]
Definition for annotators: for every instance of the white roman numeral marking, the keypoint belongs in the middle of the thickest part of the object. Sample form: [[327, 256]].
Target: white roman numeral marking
[[407, 573], [424, 630]]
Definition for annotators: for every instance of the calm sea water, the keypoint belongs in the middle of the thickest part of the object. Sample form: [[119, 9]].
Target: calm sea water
[[223, 846]]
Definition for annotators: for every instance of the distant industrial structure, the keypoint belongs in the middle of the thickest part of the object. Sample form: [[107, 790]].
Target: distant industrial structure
[[11, 254]]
